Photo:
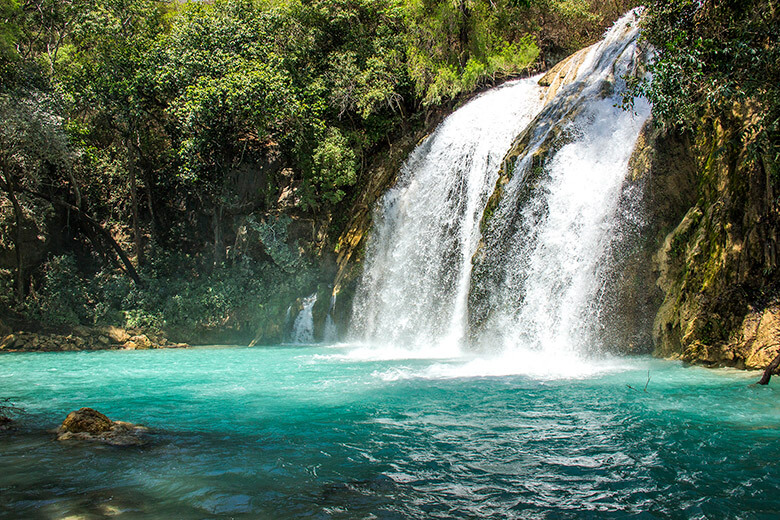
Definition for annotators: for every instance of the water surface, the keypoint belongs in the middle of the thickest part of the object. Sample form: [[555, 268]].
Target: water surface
[[318, 432]]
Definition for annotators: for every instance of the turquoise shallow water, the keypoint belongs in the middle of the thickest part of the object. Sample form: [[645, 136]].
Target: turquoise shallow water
[[307, 432]]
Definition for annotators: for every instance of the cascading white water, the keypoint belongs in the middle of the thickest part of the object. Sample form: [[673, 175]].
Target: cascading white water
[[303, 326], [546, 240], [551, 259], [331, 333], [426, 229]]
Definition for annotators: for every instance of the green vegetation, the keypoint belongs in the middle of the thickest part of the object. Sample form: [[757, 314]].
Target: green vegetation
[[186, 165], [712, 58]]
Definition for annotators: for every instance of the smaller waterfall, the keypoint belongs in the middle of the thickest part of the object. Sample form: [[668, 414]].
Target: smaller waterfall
[[331, 333], [303, 327]]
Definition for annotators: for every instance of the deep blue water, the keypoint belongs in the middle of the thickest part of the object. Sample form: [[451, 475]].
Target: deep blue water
[[306, 432]]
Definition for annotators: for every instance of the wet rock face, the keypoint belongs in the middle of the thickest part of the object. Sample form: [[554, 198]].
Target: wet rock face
[[752, 344], [717, 266], [87, 424]]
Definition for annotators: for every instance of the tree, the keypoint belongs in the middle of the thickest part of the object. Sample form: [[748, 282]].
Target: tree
[[31, 142], [712, 55], [105, 74]]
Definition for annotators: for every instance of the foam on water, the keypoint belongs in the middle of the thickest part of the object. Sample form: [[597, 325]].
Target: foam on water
[[531, 364]]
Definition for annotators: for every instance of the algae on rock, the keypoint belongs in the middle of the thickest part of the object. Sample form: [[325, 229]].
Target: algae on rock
[[718, 267]]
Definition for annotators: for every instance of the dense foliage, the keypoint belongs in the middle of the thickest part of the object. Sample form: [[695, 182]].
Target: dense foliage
[[713, 56], [176, 164]]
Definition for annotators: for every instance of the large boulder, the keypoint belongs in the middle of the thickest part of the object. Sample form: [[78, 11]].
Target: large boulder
[[86, 420], [90, 425]]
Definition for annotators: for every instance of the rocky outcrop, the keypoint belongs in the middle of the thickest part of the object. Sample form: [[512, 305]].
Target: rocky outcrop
[[85, 338], [714, 231], [87, 424], [563, 73]]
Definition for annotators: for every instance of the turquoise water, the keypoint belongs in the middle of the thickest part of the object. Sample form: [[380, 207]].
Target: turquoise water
[[316, 432]]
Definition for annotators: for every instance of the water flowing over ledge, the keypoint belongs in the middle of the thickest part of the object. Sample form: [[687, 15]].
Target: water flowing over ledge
[[417, 273], [477, 250]]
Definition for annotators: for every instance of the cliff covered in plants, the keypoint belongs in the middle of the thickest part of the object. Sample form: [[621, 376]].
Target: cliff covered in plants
[[715, 91], [693, 259]]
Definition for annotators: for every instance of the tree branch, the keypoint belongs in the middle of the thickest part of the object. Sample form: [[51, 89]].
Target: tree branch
[[770, 370], [101, 231]]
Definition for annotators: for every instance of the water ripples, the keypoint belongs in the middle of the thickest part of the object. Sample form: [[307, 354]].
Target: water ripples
[[285, 435]]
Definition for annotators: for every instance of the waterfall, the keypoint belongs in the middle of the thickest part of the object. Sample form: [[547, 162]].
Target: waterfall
[[331, 333], [531, 283], [303, 326], [543, 265], [416, 280]]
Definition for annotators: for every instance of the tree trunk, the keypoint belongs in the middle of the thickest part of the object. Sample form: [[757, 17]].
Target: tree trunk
[[219, 241], [463, 35], [150, 204], [770, 370], [137, 238], [99, 229], [18, 217]]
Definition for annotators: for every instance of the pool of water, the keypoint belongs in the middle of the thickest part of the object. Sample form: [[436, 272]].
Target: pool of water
[[328, 432]]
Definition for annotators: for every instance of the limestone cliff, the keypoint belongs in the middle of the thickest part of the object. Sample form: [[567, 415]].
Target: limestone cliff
[[717, 269]]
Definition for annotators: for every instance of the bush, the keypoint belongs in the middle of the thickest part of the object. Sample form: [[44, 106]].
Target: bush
[[63, 299]]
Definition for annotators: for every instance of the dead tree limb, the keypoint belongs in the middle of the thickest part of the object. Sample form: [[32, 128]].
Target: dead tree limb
[[770, 370], [98, 228]]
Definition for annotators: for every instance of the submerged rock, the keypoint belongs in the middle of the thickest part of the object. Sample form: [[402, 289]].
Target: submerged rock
[[90, 425], [5, 423]]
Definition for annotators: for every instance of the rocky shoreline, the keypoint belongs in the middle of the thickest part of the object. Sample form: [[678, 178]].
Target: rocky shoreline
[[84, 338]]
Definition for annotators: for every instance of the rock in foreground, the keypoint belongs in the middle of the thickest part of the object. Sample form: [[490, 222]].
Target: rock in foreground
[[90, 425], [5, 423]]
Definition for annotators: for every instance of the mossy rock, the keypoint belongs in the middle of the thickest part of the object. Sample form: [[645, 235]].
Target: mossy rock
[[86, 420]]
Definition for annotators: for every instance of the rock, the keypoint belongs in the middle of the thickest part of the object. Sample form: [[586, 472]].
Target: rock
[[563, 73], [7, 341], [5, 423], [86, 420], [116, 335], [141, 342], [83, 338], [82, 330], [90, 425]]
